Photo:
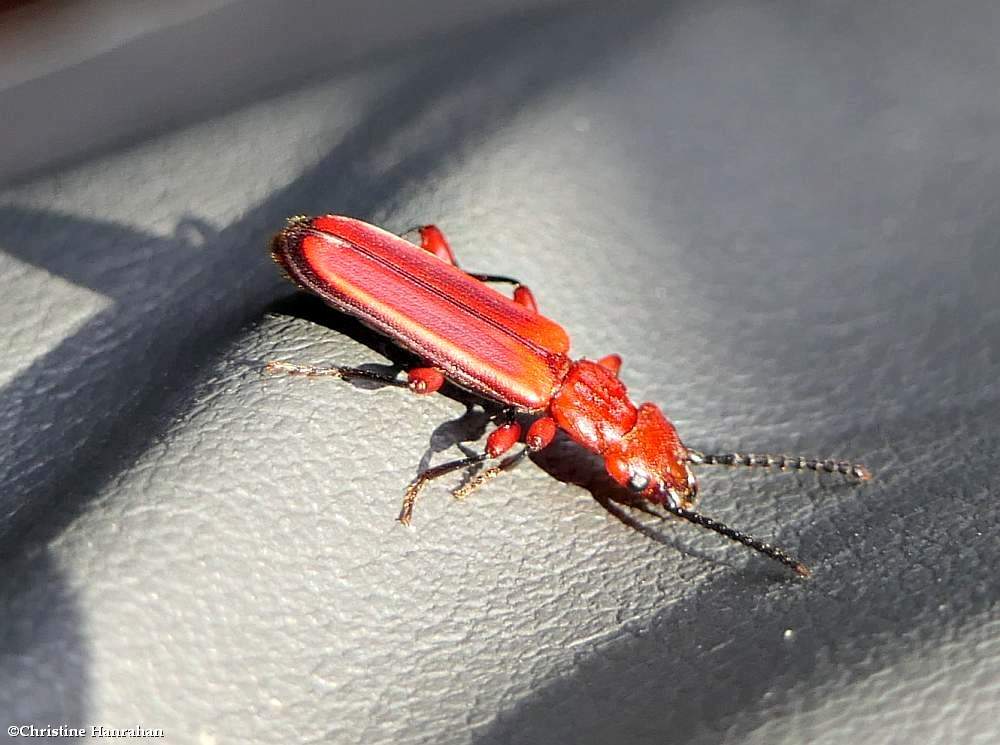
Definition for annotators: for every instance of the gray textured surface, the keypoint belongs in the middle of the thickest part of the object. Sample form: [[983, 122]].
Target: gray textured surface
[[785, 220]]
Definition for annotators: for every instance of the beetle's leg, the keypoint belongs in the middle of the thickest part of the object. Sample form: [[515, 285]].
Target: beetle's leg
[[433, 241], [524, 296], [491, 473], [417, 485], [280, 367], [424, 380], [540, 435], [521, 295], [500, 440], [420, 380], [612, 362]]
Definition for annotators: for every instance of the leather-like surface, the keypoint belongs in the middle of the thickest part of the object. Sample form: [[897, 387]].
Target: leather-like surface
[[783, 217]]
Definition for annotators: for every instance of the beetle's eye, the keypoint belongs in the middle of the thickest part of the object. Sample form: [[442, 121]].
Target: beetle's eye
[[638, 481]]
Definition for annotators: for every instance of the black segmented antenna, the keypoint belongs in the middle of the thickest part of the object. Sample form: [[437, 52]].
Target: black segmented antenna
[[772, 552], [783, 462]]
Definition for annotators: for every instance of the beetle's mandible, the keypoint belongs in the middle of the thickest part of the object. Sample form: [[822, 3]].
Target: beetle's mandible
[[502, 349]]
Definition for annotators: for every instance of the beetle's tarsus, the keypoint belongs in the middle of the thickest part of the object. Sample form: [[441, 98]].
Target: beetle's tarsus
[[280, 367], [475, 482], [490, 473], [406, 512], [418, 484]]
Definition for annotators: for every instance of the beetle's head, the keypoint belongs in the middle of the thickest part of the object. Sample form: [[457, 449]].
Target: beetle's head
[[651, 461]]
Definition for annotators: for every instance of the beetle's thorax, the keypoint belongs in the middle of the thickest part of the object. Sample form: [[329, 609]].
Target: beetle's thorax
[[592, 406], [639, 445]]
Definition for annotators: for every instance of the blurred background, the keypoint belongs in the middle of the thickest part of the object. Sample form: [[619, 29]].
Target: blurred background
[[783, 215]]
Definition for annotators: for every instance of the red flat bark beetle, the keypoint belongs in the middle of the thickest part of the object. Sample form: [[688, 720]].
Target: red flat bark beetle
[[503, 349]]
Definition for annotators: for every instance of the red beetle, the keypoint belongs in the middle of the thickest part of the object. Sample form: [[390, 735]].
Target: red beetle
[[502, 349]]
